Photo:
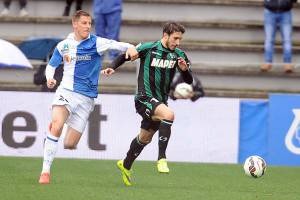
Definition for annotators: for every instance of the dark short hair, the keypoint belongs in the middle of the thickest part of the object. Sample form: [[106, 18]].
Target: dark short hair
[[80, 13], [172, 27]]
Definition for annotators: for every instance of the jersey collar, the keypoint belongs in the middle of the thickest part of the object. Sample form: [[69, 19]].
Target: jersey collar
[[164, 48]]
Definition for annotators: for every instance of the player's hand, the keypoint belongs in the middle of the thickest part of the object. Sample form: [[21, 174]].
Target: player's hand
[[182, 64], [107, 71], [132, 53], [51, 83]]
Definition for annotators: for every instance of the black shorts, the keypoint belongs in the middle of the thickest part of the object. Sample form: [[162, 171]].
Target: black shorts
[[146, 106]]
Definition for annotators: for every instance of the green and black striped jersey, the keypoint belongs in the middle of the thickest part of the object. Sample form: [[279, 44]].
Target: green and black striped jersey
[[157, 69]]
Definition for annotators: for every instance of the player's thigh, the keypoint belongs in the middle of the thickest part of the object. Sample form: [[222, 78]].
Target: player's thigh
[[82, 108], [63, 104], [72, 138], [145, 106], [60, 113], [79, 119], [162, 111], [59, 116]]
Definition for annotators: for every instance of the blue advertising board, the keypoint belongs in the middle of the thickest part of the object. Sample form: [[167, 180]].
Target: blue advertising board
[[253, 128], [284, 129]]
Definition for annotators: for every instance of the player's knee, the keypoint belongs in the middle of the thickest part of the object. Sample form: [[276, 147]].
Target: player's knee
[[55, 128], [169, 115], [145, 139]]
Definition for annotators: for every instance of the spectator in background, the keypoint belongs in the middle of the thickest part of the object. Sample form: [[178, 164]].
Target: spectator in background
[[196, 85], [278, 13], [107, 16], [23, 11], [69, 4]]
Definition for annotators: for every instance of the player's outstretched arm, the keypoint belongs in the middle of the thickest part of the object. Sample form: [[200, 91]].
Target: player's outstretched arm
[[117, 62], [131, 54]]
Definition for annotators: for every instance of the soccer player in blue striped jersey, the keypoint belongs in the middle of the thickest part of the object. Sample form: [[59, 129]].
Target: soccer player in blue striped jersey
[[81, 53], [159, 61]]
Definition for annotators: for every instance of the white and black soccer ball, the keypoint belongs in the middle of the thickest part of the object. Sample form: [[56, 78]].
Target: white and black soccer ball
[[255, 166], [184, 90]]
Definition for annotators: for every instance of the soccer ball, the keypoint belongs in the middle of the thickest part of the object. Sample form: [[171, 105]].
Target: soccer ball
[[255, 166], [183, 90]]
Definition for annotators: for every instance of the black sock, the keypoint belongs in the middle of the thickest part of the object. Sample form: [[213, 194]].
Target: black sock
[[136, 148], [164, 136]]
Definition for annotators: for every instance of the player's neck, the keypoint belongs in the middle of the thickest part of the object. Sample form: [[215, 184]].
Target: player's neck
[[78, 38], [164, 43]]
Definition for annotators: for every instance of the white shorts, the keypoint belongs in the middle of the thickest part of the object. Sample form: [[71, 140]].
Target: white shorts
[[78, 105]]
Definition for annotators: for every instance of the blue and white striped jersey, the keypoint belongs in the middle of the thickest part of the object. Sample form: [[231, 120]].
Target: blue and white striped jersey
[[82, 62]]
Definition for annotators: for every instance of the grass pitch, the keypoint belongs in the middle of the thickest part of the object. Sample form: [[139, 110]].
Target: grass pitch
[[100, 180]]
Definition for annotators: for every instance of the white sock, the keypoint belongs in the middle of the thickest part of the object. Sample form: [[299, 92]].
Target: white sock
[[50, 148]]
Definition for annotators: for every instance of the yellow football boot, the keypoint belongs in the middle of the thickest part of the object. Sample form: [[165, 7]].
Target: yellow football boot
[[162, 166], [126, 174]]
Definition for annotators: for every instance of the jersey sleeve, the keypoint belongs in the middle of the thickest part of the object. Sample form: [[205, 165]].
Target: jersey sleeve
[[184, 56], [104, 45], [186, 75], [143, 48], [55, 59]]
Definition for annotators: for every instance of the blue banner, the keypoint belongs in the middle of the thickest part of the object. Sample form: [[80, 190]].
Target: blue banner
[[253, 129], [284, 130]]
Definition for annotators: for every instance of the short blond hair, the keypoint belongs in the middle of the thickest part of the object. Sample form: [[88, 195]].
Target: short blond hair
[[80, 13]]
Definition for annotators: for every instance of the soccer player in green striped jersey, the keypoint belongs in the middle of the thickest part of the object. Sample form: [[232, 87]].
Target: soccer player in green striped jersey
[[158, 63]]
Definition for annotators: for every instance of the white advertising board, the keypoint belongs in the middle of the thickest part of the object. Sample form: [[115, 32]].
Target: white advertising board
[[203, 131]]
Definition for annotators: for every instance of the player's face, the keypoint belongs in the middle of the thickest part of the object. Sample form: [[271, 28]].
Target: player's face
[[82, 27], [173, 40]]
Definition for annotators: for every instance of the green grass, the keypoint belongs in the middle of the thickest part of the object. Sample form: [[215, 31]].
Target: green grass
[[99, 179]]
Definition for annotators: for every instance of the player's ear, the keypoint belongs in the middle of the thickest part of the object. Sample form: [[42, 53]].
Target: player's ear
[[165, 35], [73, 24]]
